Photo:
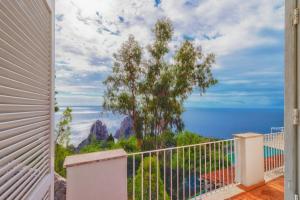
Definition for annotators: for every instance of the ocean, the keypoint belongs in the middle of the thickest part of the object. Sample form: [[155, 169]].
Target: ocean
[[219, 123]]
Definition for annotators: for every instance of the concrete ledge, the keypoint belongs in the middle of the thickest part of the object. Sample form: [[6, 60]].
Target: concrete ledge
[[93, 157], [248, 135]]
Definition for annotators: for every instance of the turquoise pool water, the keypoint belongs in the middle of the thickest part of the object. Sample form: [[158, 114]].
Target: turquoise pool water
[[268, 152]]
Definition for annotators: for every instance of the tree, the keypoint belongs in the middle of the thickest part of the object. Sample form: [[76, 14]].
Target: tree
[[153, 94], [123, 84], [62, 148], [145, 177], [64, 129]]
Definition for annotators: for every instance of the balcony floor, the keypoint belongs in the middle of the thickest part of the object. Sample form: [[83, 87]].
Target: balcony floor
[[273, 190]]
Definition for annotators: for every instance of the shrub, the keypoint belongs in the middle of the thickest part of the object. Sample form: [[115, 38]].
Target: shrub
[[146, 186]]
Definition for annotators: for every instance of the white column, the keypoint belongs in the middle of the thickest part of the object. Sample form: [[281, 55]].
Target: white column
[[250, 159], [101, 175]]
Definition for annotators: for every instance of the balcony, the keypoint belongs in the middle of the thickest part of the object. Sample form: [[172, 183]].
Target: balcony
[[249, 164]]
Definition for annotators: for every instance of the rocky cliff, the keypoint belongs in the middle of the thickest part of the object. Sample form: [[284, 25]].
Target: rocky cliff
[[126, 128], [98, 131]]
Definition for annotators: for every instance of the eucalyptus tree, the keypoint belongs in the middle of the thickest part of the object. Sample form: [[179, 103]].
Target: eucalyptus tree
[[152, 90], [122, 86]]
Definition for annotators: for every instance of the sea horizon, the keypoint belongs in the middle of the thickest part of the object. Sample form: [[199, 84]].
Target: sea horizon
[[221, 123]]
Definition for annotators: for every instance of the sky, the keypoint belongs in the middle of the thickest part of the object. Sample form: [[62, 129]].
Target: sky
[[246, 36]]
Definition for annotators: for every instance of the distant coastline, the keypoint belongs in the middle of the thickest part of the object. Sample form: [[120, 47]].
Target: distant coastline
[[210, 122]]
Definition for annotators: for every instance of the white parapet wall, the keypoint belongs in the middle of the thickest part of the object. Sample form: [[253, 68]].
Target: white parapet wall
[[250, 159], [101, 175]]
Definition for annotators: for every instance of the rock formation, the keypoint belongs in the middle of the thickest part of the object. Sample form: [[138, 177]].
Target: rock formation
[[126, 128], [98, 132]]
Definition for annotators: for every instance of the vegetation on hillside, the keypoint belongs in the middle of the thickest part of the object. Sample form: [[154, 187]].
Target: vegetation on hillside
[[152, 91]]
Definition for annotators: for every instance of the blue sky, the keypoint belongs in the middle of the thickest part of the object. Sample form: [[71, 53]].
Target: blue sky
[[246, 36]]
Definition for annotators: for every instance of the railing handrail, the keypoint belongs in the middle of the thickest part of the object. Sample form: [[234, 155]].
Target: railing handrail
[[179, 147]]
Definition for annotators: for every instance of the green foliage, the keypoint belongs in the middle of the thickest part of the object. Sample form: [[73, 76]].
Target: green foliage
[[164, 140], [188, 138], [153, 93], [93, 147], [62, 148], [63, 128], [61, 153], [129, 145], [155, 174]]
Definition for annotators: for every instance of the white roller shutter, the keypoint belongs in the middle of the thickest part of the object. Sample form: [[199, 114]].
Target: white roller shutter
[[26, 99]]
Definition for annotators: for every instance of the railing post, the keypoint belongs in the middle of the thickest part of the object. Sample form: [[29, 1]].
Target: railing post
[[101, 175], [250, 159]]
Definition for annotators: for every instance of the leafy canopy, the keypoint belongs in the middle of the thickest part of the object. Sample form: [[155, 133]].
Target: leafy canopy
[[152, 88]]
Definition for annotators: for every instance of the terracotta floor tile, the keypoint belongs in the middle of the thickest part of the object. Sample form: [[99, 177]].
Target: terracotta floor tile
[[273, 190]]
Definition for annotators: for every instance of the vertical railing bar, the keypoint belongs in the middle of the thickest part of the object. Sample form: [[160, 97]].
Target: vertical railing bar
[[183, 175], [227, 166], [150, 175], [231, 160], [267, 152], [223, 176], [270, 151], [157, 175], [164, 175], [279, 148], [274, 151], [200, 168], [142, 185], [219, 152], [133, 172], [210, 169], [215, 165], [282, 149], [177, 184], [195, 176], [205, 172], [189, 172], [171, 174]]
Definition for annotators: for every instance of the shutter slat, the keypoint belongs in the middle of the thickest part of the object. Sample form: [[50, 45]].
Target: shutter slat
[[25, 30], [21, 158], [21, 115], [14, 49], [30, 182], [16, 131], [22, 108], [22, 86], [22, 78], [10, 153], [13, 183], [22, 122], [26, 98], [29, 161], [12, 57], [20, 137], [8, 91], [7, 29], [20, 100]]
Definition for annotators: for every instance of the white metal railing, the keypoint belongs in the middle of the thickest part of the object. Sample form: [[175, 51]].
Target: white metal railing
[[277, 129], [183, 172], [274, 152]]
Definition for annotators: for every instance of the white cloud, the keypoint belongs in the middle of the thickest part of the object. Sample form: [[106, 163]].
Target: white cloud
[[97, 28]]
